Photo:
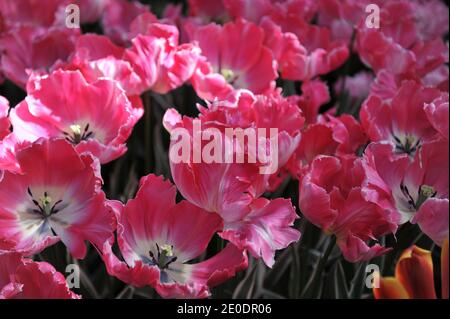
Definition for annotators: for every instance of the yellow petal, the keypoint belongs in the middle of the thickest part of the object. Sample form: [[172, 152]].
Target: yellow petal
[[414, 271], [444, 269], [390, 288]]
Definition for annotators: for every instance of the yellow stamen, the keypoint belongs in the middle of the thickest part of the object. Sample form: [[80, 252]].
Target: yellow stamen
[[427, 191], [45, 200], [167, 250], [227, 74], [76, 129]]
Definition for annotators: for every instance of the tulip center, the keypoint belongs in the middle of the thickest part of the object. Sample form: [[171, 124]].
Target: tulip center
[[164, 256], [424, 192], [44, 205], [229, 75], [407, 144], [77, 134]]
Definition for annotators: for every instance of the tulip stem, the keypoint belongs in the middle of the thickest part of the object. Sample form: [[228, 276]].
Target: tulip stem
[[312, 287], [344, 97], [148, 131]]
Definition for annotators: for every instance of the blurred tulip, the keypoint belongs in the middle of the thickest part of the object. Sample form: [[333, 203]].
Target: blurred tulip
[[414, 276]]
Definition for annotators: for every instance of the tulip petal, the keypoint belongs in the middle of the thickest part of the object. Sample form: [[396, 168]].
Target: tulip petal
[[415, 271], [390, 288], [444, 269]]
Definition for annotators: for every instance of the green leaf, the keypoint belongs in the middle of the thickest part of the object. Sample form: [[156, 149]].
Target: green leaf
[[339, 282], [294, 284], [126, 293], [358, 282], [247, 286]]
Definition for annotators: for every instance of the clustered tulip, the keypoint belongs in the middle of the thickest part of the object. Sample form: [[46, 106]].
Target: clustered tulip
[[358, 119]]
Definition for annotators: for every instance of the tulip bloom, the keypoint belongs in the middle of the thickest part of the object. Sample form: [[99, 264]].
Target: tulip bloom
[[95, 56], [64, 104], [387, 47], [29, 31], [342, 16], [328, 136], [5, 126], [7, 160], [438, 114], [56, 197], [232, 188], [402, 121], [207, 10], [401, 44], [161, 63], [90, 11], [417, 189], [332, 197], [414, 276], [117, 18], [158, 237], [29, 12], [235, 57], [22, 278], [302, 50], [27, 48]]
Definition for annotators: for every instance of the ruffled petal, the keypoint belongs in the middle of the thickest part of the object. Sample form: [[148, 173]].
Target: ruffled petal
[[414, 271], [266, 227]]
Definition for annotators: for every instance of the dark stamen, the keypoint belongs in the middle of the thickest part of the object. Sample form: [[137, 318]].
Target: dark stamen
[[409, 146], [169, 262], [76, 138], [42, 207], [53, 210], [162, 260], [408, 196]]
